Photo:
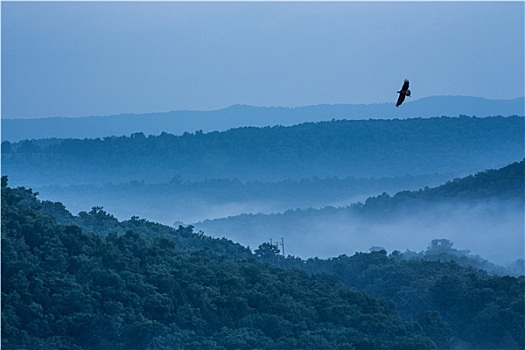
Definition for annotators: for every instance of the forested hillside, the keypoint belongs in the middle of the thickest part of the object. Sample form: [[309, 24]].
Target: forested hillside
[[89, 281], [479, 309], [507, 183], [64, 288], [361, 149]]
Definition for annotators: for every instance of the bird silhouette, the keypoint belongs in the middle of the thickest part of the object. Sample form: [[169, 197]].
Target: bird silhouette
[[402, 93]]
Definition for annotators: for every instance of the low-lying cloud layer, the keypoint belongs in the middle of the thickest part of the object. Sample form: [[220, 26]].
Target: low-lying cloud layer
[[494, 230]]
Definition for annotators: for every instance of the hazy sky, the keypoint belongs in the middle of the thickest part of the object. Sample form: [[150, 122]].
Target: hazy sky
[[102, 58]]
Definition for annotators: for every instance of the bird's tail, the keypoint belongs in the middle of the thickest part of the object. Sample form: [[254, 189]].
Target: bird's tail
[[408, 93]]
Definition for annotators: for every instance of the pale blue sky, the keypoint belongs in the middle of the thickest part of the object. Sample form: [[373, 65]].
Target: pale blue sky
[[103, 58]]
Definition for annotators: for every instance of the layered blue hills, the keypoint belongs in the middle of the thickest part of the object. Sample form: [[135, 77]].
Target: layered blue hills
[[178, 122]]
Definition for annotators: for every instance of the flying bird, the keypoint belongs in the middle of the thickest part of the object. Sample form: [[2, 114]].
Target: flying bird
[[402, 93]]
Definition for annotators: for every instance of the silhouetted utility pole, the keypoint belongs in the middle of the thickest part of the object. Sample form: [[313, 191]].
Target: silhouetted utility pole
[[276, 245]]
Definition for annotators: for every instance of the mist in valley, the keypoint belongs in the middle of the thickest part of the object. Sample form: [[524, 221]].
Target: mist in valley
[[493, 230], [186, 202], [316, 218]]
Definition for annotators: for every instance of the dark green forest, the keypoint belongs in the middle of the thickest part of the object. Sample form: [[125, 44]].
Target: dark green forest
[[90, 281], [337, 148], [67, 289]]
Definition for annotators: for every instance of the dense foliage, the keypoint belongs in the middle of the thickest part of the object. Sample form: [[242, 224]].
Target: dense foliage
[[342, 148], [64, 288], [486, 311]]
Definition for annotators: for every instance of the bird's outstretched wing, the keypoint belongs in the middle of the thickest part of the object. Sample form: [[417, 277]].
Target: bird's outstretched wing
[[400, 99]]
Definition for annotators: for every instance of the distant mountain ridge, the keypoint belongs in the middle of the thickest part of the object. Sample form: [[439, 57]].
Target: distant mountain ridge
[[342, 148], [178, 122], [506, 183]]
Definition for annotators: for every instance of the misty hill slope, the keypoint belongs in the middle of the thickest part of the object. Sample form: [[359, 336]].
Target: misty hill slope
[[507, 183], [191, 201], [366, 148], [483, 211], [90, 281], [178, 122]]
